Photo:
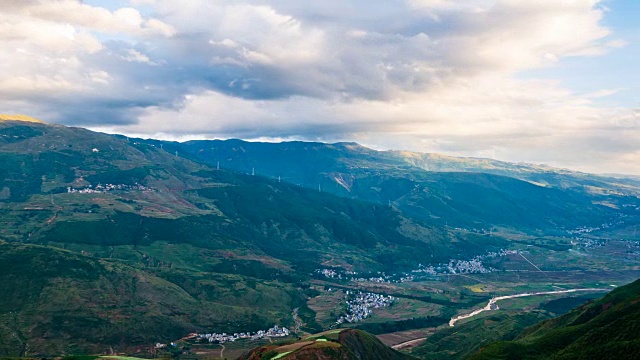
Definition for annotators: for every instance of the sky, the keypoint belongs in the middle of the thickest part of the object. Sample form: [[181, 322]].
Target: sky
[[546, 82]]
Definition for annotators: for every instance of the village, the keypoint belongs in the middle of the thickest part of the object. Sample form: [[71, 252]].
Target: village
[[360, 305], [380, 277], [473, 266], [587, 243], [588, 229], [455, 266], [275, 331], [99, 189]]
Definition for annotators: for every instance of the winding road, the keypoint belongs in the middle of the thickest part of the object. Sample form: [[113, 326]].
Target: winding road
[[408, 343], [491, 305], [296, 320]]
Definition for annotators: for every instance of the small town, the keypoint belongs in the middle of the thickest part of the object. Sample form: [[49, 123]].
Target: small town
[[360, 305]]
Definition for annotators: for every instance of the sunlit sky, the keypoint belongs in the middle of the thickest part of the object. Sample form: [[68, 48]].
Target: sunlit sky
[[545, 81]]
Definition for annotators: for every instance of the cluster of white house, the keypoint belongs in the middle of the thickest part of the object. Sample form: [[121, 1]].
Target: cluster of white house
[[385, 279], [161, 345], [475, 265], [275, 331], [455, 266], [329, 273], [472, 266], [587, 243], [360, 305], [349, 276], [606, 225], [108, 187]]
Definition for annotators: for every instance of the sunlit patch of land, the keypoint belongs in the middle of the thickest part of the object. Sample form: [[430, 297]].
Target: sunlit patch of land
[[475, 288], [19, 117]]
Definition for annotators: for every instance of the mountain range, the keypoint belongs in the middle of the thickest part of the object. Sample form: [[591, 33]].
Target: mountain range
[[109, 242]]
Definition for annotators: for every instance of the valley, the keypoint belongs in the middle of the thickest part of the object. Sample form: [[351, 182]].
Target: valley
[[144, 242]]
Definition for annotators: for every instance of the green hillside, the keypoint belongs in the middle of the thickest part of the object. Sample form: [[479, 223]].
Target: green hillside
[[170, 199], [607, 328], [466, 339], [58, 302]]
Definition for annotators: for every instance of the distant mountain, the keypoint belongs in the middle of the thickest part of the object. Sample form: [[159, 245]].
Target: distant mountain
[[303, 161], [344, 344], [459, 192], [607, 328], [542, 175]]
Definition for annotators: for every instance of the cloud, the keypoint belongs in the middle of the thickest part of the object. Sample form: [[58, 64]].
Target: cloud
[[430, 75], [75, 13], [52, 53]]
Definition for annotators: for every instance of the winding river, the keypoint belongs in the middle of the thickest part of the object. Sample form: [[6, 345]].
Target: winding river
[[491, 305]]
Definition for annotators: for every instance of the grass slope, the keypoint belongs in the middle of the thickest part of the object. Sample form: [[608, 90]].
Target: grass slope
[[58, 302], [194, 204], [467, 338]]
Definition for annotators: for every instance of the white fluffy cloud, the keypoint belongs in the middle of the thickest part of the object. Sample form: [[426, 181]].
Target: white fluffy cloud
[[48, 45], [428, 75], [125, 20]]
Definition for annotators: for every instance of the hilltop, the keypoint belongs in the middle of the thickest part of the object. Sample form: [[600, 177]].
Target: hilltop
[[344, 344]]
